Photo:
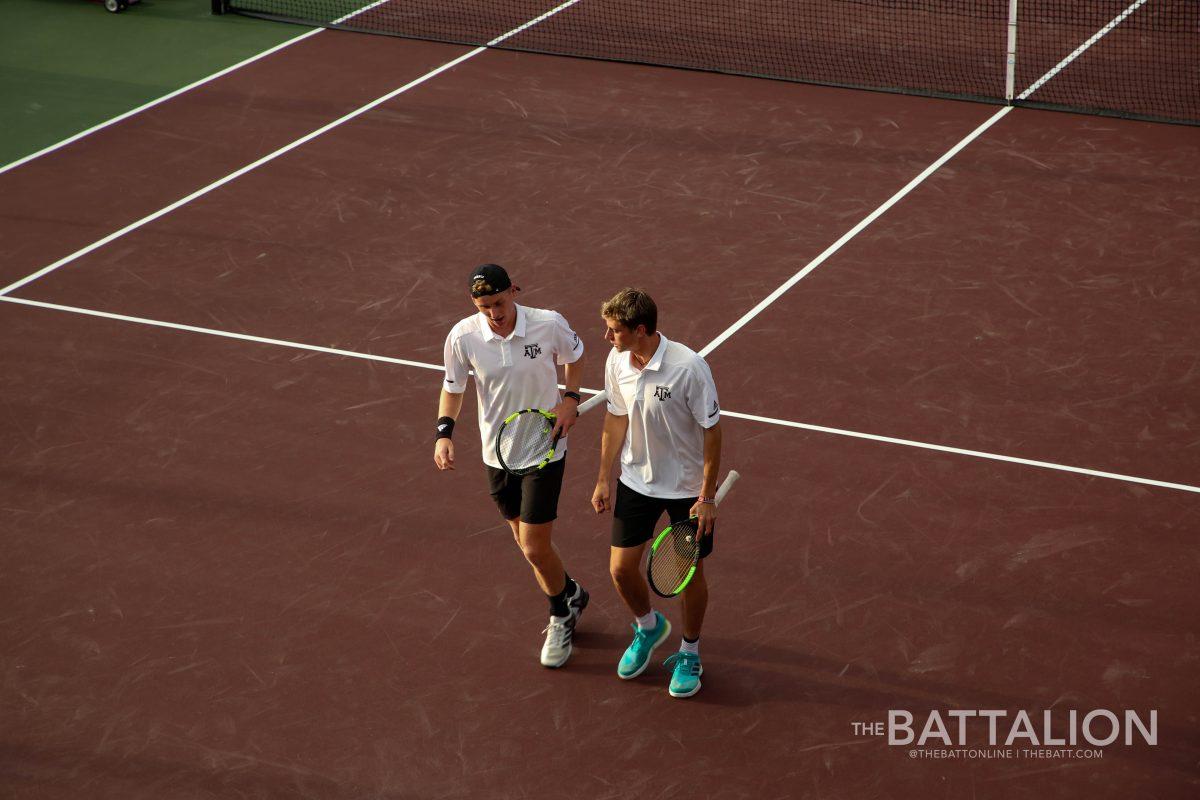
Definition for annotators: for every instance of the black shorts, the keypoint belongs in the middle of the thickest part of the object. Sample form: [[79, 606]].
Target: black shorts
[[635, 516], [533, 498]]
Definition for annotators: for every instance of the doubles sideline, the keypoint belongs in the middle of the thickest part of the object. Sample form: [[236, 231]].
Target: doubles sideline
[[287, 148], [157, 101], [183, 89]]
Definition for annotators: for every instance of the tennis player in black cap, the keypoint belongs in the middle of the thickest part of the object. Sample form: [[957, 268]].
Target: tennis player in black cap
[[514, 352]]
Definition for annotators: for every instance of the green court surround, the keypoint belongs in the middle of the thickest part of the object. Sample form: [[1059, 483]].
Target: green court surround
[[66, 65]]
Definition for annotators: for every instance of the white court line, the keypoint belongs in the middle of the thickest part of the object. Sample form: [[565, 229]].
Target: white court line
[[151, 104], [1057, 68], [1028, 462], [356, 12], [850, 234], [281, 151], [891, 201], [126, 115], [245, 337], [713, 344], [737, 415]]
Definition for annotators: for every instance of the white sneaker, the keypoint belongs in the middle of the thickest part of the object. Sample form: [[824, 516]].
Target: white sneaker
[[578, 601], [557, 648], [561, 630]]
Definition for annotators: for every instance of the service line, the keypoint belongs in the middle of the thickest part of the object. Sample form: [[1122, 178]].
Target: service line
[[1028, 462]]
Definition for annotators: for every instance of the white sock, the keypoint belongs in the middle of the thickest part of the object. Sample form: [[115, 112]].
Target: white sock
[[690, 647], [647, 622]]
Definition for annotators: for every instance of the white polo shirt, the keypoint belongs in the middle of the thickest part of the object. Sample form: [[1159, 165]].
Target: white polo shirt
[[670, 403], [512, 372]]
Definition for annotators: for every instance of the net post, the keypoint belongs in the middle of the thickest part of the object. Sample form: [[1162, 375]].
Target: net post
[[1010, 70], [220, 6]]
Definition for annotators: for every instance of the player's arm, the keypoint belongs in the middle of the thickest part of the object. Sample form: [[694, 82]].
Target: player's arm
[[450, 403], [449, 407], [567, 410], [702, 400], [706, 508], [611, 441], [568, 349]]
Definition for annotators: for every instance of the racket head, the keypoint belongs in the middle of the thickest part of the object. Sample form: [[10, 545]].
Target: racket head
[[525, 442], [673, 558]]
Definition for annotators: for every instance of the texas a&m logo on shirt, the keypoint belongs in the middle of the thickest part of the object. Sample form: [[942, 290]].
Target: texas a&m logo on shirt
[[533, 350], [662, 392]]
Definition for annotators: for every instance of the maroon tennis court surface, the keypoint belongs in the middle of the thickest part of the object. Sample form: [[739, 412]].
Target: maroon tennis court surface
[[232, 571]]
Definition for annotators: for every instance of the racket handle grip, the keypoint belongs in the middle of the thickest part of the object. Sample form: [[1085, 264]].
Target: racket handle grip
[[730, 480], [592, 402]]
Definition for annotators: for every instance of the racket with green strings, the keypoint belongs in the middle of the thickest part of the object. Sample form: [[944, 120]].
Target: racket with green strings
[[676, 551]]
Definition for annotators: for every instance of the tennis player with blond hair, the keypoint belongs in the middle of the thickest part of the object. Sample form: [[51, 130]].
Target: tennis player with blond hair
[[664, 421]]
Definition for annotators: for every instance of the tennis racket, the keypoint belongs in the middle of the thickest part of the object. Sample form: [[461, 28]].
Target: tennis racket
[[676, 551], [526, 440], [592, 402]]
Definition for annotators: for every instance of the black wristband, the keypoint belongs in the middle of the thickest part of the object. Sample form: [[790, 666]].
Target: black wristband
[[445, 428], [573, 395]]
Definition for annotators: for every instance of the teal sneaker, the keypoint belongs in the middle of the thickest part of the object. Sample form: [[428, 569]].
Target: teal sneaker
[[685, 681], [637, 655]]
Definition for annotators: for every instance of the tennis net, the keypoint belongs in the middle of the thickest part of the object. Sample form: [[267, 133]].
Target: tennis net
[[1135, 58]]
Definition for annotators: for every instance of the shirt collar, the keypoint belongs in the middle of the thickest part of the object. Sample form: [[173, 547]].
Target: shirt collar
[[655, 362], [489, 334]]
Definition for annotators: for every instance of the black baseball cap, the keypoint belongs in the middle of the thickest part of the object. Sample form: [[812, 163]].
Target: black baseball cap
[[488, 279]]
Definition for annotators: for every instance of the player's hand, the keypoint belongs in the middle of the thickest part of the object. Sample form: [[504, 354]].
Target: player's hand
[[706, 517], [443, 454], [601, 497], [566, 414]]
